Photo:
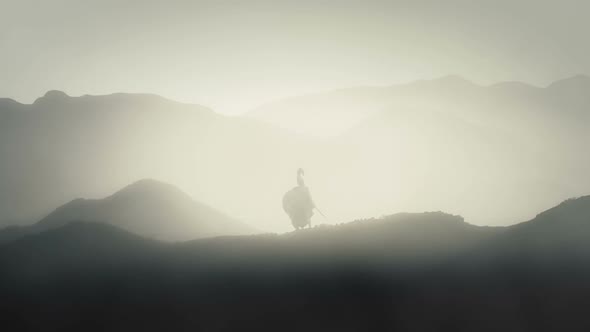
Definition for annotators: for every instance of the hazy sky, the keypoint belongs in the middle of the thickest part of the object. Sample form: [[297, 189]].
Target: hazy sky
[[234, 55]]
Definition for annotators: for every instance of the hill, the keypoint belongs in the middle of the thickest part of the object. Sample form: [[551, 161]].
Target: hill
[[148, 208], [401, 238], [347, 277], [75, 246], [55, 149], [556, 236]]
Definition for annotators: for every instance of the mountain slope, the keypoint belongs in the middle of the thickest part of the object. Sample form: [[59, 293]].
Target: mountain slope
[[352, 274], [77, 248], [51, 148], [560, 233], [148, 208], [90, 271], [152, 209], [400, 238], [62, 147]]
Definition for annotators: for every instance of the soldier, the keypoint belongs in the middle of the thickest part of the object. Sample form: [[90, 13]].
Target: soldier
[[298, 203]]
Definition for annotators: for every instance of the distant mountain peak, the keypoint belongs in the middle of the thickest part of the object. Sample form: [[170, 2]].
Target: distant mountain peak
[[55, 94], [448, 81], [150, 188], [149, 208], [453, 78], [52, 96]]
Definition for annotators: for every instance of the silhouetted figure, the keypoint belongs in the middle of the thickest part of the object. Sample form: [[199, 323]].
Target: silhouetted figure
[[298, 203]]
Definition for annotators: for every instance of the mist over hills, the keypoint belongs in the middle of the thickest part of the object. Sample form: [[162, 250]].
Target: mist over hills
[[460, 146], [148, 208], [55, 150], [445, 144], [506, 104]]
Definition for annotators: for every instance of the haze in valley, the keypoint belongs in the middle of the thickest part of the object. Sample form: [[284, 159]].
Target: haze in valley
[[389, 106]]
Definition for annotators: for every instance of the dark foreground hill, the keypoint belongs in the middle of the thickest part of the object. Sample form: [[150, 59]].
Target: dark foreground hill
[[148, 208], [407, 272]]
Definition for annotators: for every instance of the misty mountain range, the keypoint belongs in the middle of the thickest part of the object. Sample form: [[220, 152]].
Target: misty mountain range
[[55, 150], [505, 105], [494, 154]]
